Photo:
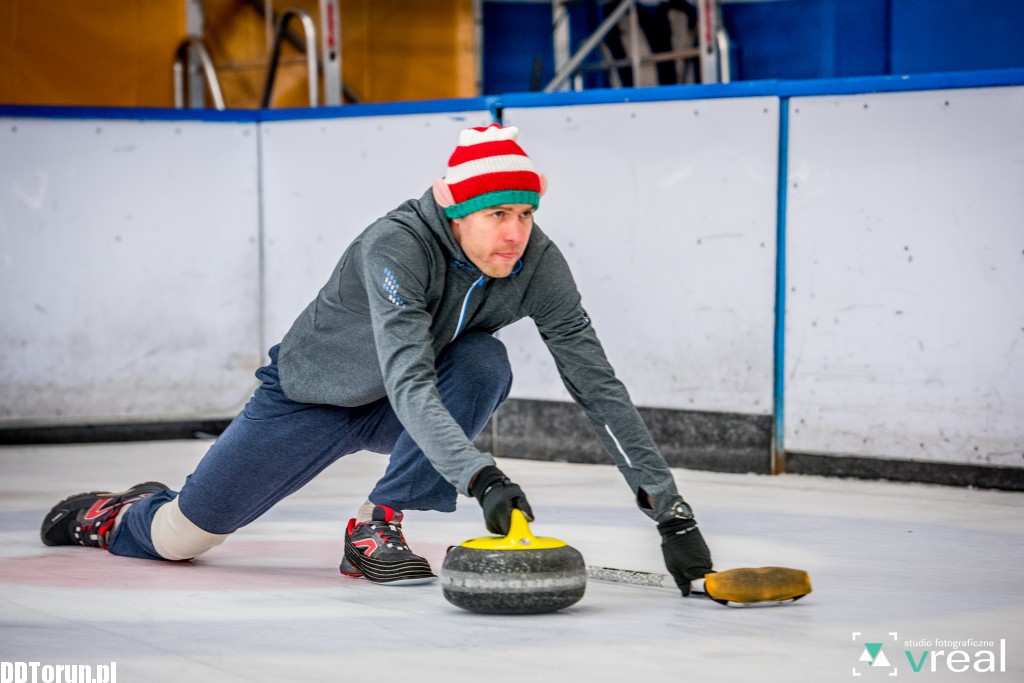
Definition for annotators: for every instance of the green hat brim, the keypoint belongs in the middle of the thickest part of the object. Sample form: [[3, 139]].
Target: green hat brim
[[486, 201]]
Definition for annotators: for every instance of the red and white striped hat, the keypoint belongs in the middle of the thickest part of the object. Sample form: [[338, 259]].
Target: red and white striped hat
[[488, 168]]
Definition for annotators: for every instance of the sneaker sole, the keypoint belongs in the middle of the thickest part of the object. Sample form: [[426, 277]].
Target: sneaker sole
[[398, 582], [408, 582]]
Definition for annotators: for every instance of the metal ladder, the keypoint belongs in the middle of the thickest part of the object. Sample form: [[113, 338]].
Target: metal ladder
[[712, 49], [278, 27], [183, 65]]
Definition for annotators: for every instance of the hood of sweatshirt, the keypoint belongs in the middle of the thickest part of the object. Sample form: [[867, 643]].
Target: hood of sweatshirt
[[427, 209]]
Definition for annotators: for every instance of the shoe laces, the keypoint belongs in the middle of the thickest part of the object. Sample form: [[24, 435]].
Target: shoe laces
[[390, 533], [97, 532]]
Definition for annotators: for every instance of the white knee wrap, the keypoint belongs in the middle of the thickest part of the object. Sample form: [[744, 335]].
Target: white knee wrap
[[175, 537]]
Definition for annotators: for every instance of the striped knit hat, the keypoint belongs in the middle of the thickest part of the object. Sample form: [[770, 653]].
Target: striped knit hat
[[488, 168]]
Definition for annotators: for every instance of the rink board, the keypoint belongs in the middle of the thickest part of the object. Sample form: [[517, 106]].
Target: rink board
[[905, 276], [129, 266]]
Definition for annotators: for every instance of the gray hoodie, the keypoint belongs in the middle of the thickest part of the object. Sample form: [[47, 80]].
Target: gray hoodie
[[403, 290]]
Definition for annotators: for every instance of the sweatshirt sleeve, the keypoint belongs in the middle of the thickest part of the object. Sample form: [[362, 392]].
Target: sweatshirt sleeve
[[566, 329], [394, 268]]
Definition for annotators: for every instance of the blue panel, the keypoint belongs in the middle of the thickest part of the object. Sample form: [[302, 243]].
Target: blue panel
[[789, 39], [793, 39], [862, 41], [808, 38], [776, 39], [516, 34], [956, 35]]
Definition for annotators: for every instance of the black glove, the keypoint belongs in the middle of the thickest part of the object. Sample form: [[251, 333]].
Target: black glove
[[498, 497], [686, 554]]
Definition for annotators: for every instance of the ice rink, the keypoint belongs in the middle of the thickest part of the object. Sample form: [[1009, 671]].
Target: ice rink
[[890, 563]]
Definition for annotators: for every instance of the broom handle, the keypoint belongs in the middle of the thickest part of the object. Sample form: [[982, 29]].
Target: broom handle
[[633, 577]]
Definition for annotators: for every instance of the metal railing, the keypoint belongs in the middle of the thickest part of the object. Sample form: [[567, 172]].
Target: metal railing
[[724, 65], [182, 66], [275, 56], [574, 63], [712, 49]]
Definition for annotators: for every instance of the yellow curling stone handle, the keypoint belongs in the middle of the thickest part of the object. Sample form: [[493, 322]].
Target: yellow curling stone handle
[[519, 538]]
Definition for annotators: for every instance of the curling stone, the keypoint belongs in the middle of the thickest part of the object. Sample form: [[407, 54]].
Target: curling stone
[[518, 574]]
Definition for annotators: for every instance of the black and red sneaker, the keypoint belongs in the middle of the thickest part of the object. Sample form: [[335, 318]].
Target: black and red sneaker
[[377, 551], [88, 518]]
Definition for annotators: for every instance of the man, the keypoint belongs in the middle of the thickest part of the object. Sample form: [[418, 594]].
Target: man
[[397, 355]]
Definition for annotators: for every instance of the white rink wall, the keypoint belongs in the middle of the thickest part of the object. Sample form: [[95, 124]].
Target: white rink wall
[[905, 276], [324, 181], [129, 269], [666, 213], [166, 256]]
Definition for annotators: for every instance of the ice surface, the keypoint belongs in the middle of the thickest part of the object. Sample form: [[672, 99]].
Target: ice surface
[[924, 562]]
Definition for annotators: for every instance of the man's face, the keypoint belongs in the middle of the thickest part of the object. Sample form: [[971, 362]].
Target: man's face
[[494, 239]]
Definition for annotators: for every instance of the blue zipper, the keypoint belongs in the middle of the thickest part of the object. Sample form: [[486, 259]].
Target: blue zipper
[[465, 303]]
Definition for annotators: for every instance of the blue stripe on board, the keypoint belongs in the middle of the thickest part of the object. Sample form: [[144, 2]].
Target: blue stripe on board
[[455, 106], [779, 376], [31, 111], [622, 95], [906, 82], [810, 87]]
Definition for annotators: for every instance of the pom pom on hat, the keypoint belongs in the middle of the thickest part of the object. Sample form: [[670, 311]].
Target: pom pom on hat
[[488, 168]]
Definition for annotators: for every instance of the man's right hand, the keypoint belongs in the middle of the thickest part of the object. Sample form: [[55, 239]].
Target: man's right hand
[[498, 497], [686, 554]]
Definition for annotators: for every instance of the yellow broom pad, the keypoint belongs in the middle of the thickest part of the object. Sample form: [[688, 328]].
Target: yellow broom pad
[[761, 584]]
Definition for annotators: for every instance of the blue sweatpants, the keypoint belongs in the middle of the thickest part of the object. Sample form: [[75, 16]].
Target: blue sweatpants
[[276, 445]]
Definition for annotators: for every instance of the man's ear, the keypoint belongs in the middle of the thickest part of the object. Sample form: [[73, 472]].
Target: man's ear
[[443, 194], [543, 183]]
